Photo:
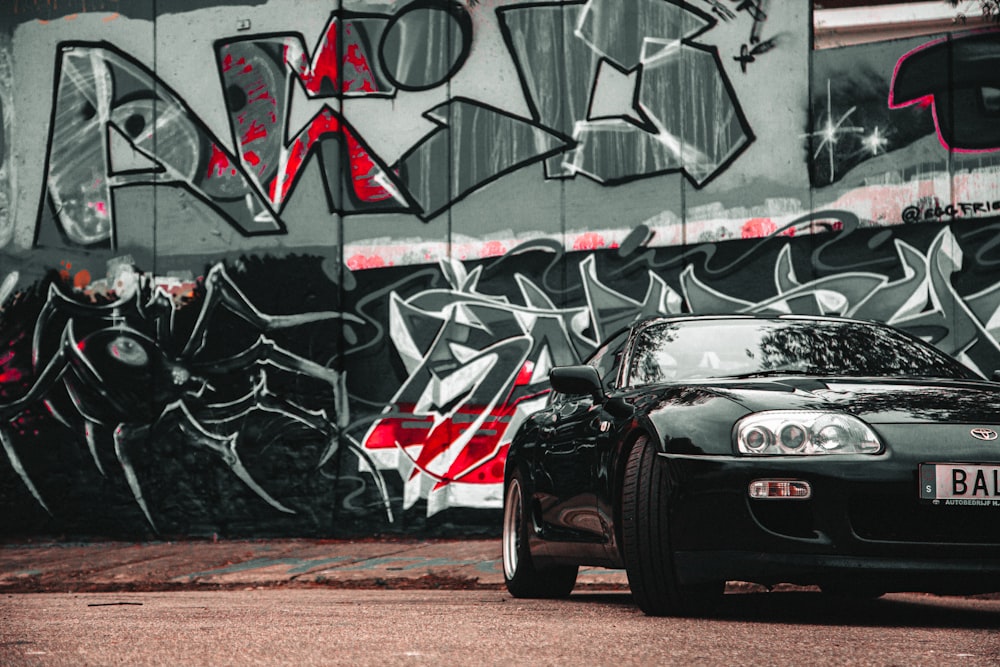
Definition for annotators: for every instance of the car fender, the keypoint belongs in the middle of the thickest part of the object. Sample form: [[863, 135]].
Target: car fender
[[691, 420]]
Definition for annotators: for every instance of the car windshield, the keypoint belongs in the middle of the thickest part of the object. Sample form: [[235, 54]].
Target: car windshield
[[748, 348]]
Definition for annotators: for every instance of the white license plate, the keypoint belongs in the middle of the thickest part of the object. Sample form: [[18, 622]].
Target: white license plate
[[977, 484]]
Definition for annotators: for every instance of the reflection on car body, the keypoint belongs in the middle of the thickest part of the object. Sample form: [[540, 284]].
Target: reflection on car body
[[695, 450]]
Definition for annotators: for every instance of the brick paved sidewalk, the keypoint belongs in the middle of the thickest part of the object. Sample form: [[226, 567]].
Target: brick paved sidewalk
[[371, 563]]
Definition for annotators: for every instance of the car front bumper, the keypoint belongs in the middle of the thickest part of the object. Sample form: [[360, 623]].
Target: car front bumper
[[865, 523]]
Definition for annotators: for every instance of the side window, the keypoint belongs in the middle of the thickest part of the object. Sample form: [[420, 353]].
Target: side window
[[608, 359]]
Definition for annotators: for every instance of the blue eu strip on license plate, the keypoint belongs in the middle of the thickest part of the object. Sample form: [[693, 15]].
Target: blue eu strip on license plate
[[962, 483]]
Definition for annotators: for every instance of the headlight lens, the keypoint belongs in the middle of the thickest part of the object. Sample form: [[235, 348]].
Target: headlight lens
[[782, 432]]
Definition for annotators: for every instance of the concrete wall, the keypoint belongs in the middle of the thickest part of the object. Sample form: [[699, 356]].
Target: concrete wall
[[292, 267]]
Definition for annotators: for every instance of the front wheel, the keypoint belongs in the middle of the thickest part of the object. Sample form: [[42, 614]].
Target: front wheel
[[646, 548], [523, 579]]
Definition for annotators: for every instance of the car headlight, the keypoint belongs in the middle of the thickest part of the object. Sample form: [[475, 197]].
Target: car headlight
[[787, 432]]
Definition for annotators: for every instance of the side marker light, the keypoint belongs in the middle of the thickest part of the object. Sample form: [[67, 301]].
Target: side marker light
[[778, 489]]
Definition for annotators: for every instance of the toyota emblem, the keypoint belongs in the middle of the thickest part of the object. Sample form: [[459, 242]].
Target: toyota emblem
[[984, 433]]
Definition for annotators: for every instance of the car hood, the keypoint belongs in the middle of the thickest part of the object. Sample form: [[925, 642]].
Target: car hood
[[877, 401]]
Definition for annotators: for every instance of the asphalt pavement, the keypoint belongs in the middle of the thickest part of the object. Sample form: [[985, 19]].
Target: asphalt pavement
[[246, 564]]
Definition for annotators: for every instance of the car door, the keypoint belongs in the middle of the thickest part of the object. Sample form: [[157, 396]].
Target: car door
[[570, 443]]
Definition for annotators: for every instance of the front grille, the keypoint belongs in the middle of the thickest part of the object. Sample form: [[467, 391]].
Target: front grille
[[893, 519]]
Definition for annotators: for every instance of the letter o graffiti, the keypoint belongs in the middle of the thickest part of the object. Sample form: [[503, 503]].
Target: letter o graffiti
[[425, 44]]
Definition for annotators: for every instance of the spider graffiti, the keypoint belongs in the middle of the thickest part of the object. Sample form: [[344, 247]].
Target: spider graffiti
[[118, 369]]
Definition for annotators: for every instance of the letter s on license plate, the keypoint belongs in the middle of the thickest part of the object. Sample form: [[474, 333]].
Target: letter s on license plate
[[959, 481]]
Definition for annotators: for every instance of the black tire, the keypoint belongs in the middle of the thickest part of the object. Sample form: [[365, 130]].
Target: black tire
[[523, 579], [646, 546]]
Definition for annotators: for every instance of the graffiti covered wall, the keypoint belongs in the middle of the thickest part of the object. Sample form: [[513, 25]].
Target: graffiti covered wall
[[301, 268]]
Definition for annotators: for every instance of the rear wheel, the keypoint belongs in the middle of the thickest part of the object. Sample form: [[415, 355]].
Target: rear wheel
[[523, 579], [646, 545]]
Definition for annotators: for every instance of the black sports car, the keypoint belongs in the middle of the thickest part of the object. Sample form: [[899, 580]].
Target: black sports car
[[697, 450]]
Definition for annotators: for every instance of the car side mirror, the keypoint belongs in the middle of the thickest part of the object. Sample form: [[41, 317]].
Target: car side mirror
[[995, 376], [577, 380]]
